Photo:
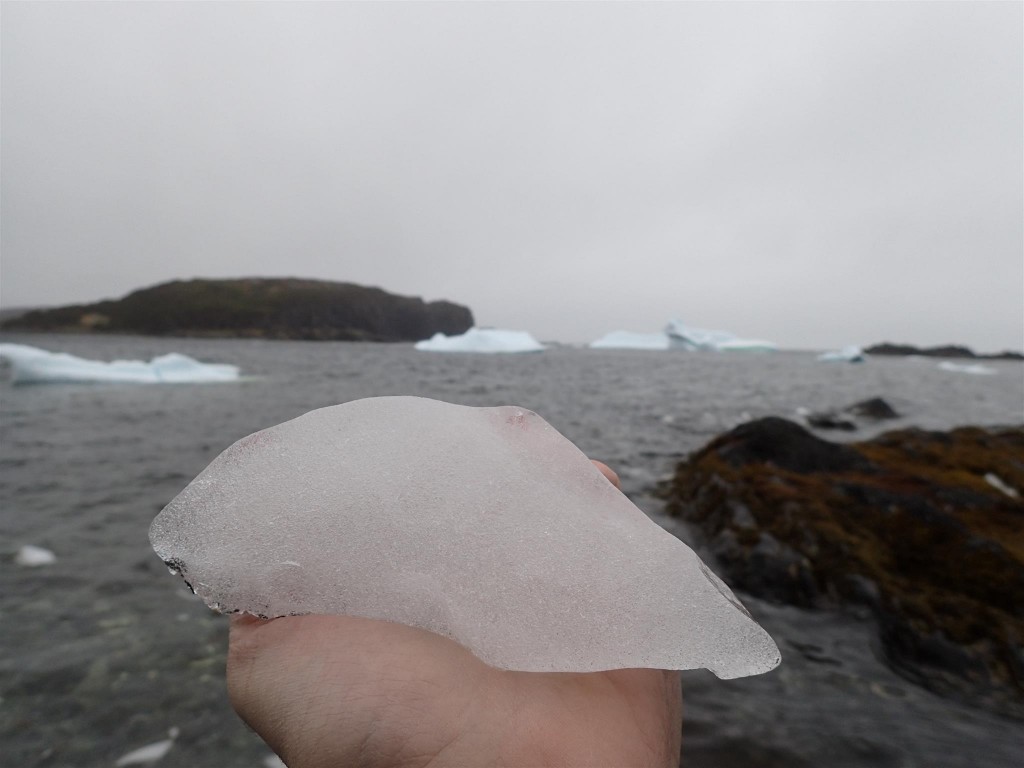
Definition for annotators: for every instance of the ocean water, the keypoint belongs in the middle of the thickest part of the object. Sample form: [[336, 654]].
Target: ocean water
[[103, 651]]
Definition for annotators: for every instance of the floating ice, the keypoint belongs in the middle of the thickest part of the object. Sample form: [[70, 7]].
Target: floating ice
[[630, 340], [481, 524], [976, 369], [37, 366], [149, 753], [32, 556], [489, 340], [719, 341], [848, 354]]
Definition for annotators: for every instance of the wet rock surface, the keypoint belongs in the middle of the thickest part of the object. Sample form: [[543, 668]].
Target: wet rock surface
[[851, 417], [905, 526]]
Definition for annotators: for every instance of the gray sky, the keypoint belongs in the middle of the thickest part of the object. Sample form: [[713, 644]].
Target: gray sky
[[810, 173]]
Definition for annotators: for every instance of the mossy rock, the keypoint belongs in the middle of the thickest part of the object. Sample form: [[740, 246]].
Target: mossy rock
[[906, 524]]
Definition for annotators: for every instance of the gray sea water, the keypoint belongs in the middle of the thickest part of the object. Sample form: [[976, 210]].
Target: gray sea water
[[103, 651]]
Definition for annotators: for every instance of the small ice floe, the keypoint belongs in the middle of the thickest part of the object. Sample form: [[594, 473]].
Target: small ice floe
[[31, 365], [485, 340], [149, 753], [630, 340], [848, 354], [976, 369], [32, 556], [997, 482]]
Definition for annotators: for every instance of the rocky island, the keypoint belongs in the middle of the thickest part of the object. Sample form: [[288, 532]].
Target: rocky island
[[271, 308], [947, 350]]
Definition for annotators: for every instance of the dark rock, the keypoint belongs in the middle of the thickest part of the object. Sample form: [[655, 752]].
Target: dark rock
[[285, 308], [875, 409], [831, 420], [786, 445], [904, 526], [948, 350]]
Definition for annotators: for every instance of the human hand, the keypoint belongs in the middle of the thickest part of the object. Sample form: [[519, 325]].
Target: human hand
[[333, 691]]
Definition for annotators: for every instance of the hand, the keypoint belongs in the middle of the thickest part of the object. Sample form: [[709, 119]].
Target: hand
[[334, 691]]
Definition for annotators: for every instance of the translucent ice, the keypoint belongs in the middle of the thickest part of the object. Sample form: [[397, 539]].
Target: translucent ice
[[481, 524], [482, 340], [31, 365]]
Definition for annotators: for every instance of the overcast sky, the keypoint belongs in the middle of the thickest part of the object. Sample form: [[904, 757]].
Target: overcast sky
[[814, 174]]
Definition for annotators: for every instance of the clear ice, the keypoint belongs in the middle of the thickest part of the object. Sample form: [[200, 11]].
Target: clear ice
[[484, 525]]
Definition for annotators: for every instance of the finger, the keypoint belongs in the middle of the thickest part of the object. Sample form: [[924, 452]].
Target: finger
[[609, 473]]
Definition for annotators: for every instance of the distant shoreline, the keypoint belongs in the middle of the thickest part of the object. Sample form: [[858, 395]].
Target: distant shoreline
[[255, 308]]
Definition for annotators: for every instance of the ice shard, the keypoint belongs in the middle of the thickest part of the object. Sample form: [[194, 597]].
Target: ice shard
[[484, 525]]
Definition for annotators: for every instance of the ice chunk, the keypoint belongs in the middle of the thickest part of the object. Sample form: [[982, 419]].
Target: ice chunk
[[489, 340], [481, 524], [149, 753], [629, 340], [848, 354], [32, 556], [38, 366], [976, 369]]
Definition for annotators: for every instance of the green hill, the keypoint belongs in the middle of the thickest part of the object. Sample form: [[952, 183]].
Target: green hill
[[271, 308]]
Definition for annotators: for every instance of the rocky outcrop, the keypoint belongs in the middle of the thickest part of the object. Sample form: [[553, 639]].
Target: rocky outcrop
[[948, 350], [849, 418], [286, 308], [926, 529]]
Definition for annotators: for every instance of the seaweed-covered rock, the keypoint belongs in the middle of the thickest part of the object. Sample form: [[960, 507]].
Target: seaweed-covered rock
[[921, 527]]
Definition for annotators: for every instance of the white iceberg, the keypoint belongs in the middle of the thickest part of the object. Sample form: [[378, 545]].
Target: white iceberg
[[974, 368], [848, 354], [31, 365], [719, 341], [630, 340], [487, 340], [484, 525], [32, 556]]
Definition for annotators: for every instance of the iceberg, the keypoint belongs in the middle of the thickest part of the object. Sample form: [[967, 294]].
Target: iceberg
[[630, 340], [31, 365], [848, 354], [487, 340], [484, 525], [719, 341]]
